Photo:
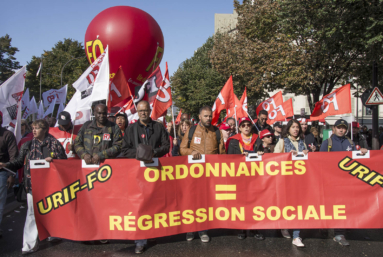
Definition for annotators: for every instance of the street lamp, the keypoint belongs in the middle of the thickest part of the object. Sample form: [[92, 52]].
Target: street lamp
[[65, 65]]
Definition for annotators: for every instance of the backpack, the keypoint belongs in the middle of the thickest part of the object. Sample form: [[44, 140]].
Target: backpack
[[193, 128], [329, 146]]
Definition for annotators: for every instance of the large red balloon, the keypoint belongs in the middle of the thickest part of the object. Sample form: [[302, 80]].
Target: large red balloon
[[134, 38]]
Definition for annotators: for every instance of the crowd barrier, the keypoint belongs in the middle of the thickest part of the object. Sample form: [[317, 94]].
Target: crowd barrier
[[128, 199]]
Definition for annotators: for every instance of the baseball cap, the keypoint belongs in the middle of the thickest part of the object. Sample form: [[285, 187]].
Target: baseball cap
[[243, 120], [355, 124], [122, 114], [278, 124], [302, 120], [224, 126], [265, 133], [341, 122], [64, 118]]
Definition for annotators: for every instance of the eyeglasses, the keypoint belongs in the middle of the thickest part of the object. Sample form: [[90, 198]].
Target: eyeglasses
[[245, 125], [142, 111], [263, 118]]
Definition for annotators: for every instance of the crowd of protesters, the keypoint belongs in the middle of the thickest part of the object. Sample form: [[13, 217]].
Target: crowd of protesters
[[110, 137]]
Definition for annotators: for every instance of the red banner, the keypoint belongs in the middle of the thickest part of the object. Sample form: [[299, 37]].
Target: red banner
[[123, 199]]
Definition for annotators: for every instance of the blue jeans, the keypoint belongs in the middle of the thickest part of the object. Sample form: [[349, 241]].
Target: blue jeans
[[296, 233], [3, 191]]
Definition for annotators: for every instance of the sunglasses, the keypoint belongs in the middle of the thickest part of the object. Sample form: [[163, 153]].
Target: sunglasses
[[245, 125], [269, 136]]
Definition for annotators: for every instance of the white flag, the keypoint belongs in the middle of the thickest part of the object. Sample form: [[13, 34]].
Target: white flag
[[38, 72], [100, 89], [79, 108], [88, 77], [50, 108], [31, 109], [40, 111], [25, 99], [11, 92], [60, 94], [18, 124], [61, 108]]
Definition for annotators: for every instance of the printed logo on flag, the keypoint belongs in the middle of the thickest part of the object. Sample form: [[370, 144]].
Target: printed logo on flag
[[106, 137], [17, 96], [12, 111]]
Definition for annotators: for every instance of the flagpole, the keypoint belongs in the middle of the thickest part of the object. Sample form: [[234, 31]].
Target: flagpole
[[174, 124], [41, 74], [252, 121], [236, 121], [133, 102]]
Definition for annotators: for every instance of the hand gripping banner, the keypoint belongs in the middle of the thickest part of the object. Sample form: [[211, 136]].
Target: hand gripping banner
[[124, 199]]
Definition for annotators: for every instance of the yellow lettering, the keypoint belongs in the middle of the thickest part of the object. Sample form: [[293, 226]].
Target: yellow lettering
[[338, 210], [200, 169], [257, 166], [154, 178], [311, 213], [129, 220], [277, 213], [115, 221], [300, 167], [56, 198], [188, 217], [214, 171], [345, 161], [285, 215], [201, 215], [225, 211], [268, 168], [242, 170], [166, 171], [145, 225], [174, 218], [178, 171], [160, 218], [377, 179], [237, 214], [323, 215], [226, 169], [285, 166], [362, 170], [259, 213]]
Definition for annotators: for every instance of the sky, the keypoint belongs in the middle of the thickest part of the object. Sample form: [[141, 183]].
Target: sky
[[35, 26]]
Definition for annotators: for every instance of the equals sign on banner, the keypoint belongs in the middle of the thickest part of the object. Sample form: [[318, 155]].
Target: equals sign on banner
[[225, 188]]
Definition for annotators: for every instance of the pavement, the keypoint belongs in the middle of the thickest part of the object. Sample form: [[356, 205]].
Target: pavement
[[224, 242]]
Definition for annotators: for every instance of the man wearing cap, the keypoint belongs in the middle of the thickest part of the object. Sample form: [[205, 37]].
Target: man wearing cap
[[63, 133], [358, 138], [98, 139], [340, 142], [122, 121], [204, 139], [8, 152], [267, 145]]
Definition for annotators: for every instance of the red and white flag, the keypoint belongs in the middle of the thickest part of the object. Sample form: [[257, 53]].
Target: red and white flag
[[225, 100], [163, 99], [272, 106], [240, 107], [281, 112], [119, 89], [58, 94], [178, 119], [11, 92], [335, 103]]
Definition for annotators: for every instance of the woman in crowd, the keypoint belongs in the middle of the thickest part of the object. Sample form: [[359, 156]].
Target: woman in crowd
[[244, 143], [292, 141], [25, 129], [182, 128], [42, 146], [309, 138]]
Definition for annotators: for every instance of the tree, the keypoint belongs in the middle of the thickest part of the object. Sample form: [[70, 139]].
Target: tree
[[53, 62], [305, 47], [196, 83], [8, 62]]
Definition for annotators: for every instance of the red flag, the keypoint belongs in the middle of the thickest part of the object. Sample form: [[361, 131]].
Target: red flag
[[240, 107], [178, 120], [163, 99], [119, 89], [225, 100], [337, 102], [281, 112], [271, 106]]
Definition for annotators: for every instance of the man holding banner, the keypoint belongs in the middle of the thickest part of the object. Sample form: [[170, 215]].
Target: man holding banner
[[340, 142], [148, 132]]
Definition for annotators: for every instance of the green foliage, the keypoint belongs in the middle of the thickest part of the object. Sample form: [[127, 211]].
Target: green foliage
[[196, 83], [53, 62], [8, 62], [304, 47]]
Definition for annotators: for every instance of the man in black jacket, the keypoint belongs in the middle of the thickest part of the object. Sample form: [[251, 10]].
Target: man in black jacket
[[149, 132], [261, 123], [8, 152]]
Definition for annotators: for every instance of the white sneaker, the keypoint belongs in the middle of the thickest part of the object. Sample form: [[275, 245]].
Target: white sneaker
[[285, 233], [298, 242]]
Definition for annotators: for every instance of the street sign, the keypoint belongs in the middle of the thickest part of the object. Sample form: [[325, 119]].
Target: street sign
[[375, 98]]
